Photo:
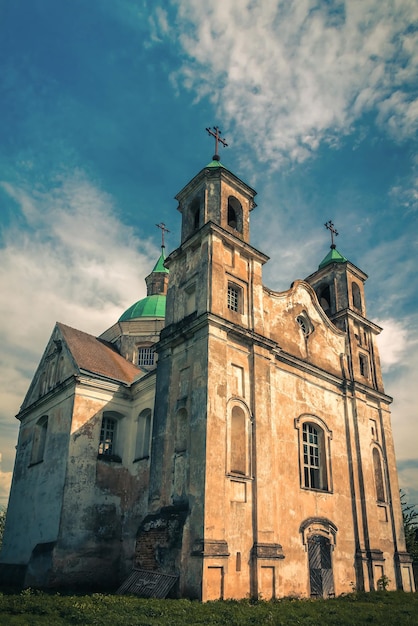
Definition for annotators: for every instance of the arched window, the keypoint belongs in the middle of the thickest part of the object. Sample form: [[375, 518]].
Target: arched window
[[314, 450], [39, 440], [240, 442], [355, 290], [234, 213], [324, 297], [378, 476], [195, 213], [143, 436]]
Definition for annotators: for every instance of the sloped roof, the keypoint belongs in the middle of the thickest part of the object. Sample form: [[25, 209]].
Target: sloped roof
[[333, 256], [97, 356], [159, 266]]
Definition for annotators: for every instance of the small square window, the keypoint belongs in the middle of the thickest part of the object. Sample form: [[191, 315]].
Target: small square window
[[233, 297]]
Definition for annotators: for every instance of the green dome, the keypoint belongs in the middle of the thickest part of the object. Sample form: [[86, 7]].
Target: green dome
[[151, 306]]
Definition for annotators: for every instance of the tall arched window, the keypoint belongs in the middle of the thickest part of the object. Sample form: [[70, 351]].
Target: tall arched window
[[324, 297], [195, 213], [355, 290], [39, 440], [143, 436], [314, 451], [234, 213], [240, 442], [378, 476]]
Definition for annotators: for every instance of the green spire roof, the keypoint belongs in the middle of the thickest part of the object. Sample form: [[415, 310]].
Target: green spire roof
[[159, 266], [151, 306], [215, 163], [333, 256]]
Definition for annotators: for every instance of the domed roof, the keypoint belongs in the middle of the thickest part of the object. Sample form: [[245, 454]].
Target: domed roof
[[153, 305], [150, 306]]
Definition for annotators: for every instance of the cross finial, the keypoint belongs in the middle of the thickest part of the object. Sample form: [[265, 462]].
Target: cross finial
[[163, 231], [330, 226], [217, 134]]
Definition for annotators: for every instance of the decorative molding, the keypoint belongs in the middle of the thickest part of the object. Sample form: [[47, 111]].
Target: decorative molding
[[267, 551], [210, 548]]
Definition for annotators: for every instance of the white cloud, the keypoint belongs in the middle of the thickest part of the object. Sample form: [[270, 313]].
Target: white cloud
[[393, 343], [292, 74], [74, 261]]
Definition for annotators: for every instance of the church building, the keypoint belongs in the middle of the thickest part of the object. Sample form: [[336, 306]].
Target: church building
[[220, 440]]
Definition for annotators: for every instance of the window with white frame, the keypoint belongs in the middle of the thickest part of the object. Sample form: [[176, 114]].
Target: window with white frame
[[314, 450], [146, 356]]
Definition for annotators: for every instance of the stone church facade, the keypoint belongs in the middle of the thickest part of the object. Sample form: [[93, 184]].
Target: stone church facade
[[235, 438]]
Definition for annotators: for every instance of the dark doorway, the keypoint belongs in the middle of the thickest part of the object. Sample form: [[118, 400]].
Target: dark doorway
[[320, 567]]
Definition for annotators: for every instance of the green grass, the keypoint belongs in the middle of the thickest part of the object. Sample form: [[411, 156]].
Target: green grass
[[33, 608]]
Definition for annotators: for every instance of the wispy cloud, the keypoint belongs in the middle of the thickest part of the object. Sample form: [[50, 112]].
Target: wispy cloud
[[291, 75]]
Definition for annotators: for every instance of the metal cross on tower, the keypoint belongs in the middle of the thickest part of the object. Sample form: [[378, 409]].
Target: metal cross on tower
[[330, 226], [163, 231], [217, 134]]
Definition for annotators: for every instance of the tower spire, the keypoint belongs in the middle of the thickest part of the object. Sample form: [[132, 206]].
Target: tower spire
[[216, 133]]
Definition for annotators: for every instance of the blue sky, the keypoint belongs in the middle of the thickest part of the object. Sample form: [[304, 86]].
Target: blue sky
[[103, 109]]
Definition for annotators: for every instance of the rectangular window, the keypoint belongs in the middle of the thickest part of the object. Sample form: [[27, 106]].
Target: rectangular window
[[233, 298], [364, 365], [39, 440], [146, 356], [107, 436]]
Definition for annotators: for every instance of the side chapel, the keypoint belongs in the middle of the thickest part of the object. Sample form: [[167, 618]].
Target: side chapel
[[234, 439]]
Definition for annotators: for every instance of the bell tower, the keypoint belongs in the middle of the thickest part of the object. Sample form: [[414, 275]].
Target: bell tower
[[339, 286], [215, 291]]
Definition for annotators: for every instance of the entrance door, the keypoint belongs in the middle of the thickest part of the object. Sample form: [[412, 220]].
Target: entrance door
[[320, 566]]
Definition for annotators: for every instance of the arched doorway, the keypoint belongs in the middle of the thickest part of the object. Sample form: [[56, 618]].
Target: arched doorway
[[320, 567]]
